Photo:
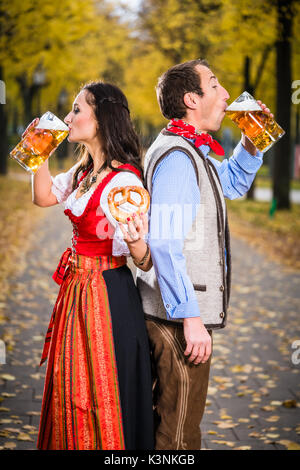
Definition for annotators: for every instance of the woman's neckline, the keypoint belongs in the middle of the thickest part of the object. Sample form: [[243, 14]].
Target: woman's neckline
[[96, 185]]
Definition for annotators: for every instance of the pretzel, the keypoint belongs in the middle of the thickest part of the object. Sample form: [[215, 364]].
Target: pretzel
[[121, 215]]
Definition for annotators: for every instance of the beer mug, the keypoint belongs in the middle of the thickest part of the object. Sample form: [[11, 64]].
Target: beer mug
[[40, 142], [258, 126]]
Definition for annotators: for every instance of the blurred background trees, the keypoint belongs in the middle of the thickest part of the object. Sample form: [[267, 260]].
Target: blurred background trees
[[48, 48]]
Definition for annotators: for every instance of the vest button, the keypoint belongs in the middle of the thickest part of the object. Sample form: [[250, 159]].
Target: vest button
[[220, 233], [221, 288], [221, 262], [222, 314]]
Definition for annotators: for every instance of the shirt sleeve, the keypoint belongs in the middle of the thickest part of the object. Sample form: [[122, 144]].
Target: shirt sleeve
[[237, 173], [62, 184], [175, 193]]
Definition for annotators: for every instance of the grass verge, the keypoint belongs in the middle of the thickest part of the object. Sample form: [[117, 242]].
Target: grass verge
[[278, 237], [18, 216]]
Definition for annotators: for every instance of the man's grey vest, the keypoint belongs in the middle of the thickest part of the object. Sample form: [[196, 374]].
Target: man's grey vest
[[204, 247]]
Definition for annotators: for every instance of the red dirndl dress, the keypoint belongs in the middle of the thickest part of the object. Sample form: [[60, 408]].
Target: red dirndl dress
[[97, 392]]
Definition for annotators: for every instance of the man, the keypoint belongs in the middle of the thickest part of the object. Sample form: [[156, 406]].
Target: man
[[185, 295]]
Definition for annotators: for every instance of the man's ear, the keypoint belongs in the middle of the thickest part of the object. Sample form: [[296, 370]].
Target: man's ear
[[189, 100]]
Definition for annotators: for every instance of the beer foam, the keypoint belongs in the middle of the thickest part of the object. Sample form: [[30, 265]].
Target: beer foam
[[246, 105], [51, 122]]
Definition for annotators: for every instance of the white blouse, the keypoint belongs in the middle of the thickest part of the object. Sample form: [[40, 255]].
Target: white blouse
[[62, 189]]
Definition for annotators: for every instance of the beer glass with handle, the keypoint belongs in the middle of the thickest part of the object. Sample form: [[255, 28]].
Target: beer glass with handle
[[258, 126], [40, 142]]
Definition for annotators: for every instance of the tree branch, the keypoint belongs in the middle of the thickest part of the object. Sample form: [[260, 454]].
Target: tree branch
[[260, 68]]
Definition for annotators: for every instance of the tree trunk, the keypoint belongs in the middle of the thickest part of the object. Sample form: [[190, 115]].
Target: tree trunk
[[249, 87], [3, 135], [28, 92], [282, 150]]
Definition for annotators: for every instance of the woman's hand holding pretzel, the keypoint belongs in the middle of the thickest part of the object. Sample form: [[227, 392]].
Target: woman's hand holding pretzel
[[137, 228], [135, 239], [137, 222]]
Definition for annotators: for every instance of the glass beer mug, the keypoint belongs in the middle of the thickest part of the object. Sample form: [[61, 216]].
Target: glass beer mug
[[40, 142], [259, 127]]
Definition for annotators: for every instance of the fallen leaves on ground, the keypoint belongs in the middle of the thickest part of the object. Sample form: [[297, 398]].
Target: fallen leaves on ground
[[15, 202], [289, 444], [277, 237], [253, 396]]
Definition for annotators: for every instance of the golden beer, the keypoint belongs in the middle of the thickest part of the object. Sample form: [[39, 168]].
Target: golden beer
[[40, 142], [258, 126]]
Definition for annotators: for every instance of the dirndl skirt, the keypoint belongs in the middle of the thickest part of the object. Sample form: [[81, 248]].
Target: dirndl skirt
[[97, 392]]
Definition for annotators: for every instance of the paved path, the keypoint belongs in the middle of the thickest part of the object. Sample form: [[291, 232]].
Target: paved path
[[252, 371]]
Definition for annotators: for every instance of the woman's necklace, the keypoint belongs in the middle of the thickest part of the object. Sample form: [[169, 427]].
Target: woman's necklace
[[89, 180]]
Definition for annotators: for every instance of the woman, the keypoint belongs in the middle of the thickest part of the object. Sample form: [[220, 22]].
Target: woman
[[97, 391]]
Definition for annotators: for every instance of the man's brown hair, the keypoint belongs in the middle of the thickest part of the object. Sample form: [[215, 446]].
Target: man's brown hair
[[174, 83]]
